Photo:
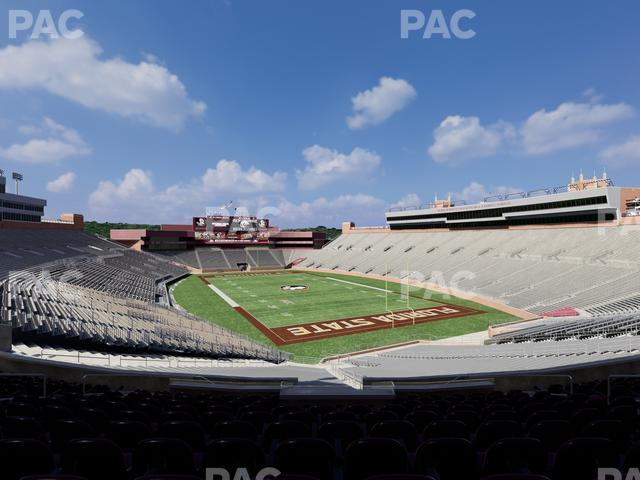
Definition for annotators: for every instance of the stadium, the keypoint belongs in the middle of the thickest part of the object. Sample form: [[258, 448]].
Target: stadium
[[423, 338], [319, 240]]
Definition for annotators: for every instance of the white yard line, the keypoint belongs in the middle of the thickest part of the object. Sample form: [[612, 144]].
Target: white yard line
[[360, 285], [224, 296]]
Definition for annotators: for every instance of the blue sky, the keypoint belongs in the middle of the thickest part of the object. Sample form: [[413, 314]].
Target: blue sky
[[314, 111]]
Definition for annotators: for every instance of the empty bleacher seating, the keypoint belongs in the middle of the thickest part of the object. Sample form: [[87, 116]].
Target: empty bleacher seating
[[547, 434], [70, 288], [539, 270]]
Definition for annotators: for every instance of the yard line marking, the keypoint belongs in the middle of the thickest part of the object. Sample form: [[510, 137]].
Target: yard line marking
[[224, 296], [361, 285]]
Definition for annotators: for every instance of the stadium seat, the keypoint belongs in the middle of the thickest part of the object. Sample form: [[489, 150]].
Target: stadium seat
[[62, 431], [22, 457], [374, 456], [420, 418], [234, 429], [551, 433], [284, 430], [258, 418], [189, 431], [162, 455], [401, 430], [94, 458], [446, 458], [446, 428], [96, 418], [342, 431], [229, 453], [22, 427], [493, 430], [580, 458], [614, 430], [127, 433], [307, 456], [516, 455], [370, 419]]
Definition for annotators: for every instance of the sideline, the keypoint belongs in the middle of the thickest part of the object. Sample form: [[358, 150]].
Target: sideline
[[224, 296]]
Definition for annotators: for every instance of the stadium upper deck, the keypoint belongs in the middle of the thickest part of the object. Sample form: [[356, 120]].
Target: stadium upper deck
[[581, 201]]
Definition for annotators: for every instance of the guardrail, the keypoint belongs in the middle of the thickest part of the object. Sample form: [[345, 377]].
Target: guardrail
[[499, 197], [621, 375]]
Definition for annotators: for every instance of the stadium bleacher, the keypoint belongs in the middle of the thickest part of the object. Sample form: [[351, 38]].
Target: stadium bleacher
[[538, 270], [70, 288], [212, 258], [99, 434]]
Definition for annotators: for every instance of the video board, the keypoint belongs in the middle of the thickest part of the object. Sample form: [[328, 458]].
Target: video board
[[229, 229]]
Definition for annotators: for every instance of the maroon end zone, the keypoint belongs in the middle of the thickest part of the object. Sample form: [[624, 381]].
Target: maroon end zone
[[306, 332]]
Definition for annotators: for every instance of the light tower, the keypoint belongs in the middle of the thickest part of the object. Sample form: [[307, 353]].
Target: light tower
[[18, 178]]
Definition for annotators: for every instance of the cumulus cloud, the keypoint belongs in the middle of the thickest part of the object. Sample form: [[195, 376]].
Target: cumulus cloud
[[360, 208], [624, 154], [409, 200], [74, 69], [63, 183], [327, 166], [570, 125], [228, 176], [460, 138], [56, 143], [377, 104], [477, 192], [135, 196]]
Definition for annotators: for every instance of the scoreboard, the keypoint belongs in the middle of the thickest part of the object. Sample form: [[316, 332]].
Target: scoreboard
[[212, 229]]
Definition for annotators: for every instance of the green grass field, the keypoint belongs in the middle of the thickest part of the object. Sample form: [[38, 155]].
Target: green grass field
[[327, 297]]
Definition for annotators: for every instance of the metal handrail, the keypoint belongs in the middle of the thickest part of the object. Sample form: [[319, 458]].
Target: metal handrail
[[619, 375]]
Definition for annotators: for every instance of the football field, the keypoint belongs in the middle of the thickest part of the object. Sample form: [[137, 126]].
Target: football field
[[319, 314]]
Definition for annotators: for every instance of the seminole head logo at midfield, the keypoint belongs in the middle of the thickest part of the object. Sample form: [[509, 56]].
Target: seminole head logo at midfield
[[293, 288]]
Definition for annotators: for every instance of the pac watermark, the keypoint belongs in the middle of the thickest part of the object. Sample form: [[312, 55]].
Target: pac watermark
[[615, 474], [267, 473], [43, 24], [434, 24]]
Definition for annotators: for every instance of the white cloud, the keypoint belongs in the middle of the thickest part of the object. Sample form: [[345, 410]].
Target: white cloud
[[136, 198], [624, 154], [570, 125], [63, 183], [477, 192], [59, 142], [228, 176], [460, 138], [74, 70], [409, 200], [592, 95], [328, 166], [376, 105], [364, 210]]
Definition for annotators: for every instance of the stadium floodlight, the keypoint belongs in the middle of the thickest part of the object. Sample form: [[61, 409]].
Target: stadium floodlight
[[18, 178]]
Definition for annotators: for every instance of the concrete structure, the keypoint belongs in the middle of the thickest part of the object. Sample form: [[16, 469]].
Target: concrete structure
[[582, 201]]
